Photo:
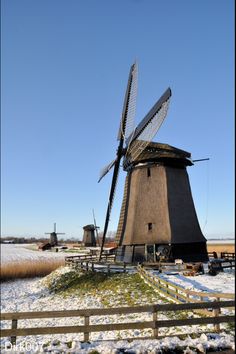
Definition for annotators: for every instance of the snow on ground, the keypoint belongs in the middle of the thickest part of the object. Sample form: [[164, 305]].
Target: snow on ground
[[223, 241], [224, 282], [20, 252], [32, 295]]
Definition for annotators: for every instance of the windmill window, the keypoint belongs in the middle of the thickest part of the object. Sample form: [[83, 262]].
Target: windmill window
[[148, 172], [149, 226]]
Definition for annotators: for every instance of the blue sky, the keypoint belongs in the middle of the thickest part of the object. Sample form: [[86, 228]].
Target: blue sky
[[65, 66]]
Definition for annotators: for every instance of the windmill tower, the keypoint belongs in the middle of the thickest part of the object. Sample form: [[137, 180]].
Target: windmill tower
[[89, 239], [158, 216], [53, 236]]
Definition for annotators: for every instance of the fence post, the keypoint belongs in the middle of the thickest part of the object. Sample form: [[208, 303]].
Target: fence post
[[92, 267], [13, 326], [124, 267], [216, 313], [108, 268], [154, 318], [87, 267], [86, 323]]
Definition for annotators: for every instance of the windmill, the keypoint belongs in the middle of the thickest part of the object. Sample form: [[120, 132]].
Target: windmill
[[89, 238], [53, 236], [157, 214]]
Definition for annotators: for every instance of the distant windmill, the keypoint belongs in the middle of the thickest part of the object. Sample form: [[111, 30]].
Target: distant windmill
[[157, 215], [53, 236]]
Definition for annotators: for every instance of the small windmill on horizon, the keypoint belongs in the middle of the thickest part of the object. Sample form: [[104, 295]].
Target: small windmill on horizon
[[53, 235]]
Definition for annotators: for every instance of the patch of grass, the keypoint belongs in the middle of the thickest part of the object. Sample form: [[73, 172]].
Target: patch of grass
[[69, 344], [28, 269], [230, 326], [109, 289], [45, 345]]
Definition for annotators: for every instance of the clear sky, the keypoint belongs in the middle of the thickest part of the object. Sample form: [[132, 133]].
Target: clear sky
[[65, 65]]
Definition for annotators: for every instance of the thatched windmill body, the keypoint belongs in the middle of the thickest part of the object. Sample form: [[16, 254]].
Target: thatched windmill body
[[157, 216]]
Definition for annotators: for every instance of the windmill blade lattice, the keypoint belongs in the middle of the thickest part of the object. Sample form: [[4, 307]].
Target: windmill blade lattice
[[146, 132], [106, 169], [129, 108]]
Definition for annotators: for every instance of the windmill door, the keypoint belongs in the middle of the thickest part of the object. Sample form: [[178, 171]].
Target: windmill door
[[150, 253]]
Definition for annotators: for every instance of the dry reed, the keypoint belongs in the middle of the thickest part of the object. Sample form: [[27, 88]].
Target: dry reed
[[221, 247], [29, 269]]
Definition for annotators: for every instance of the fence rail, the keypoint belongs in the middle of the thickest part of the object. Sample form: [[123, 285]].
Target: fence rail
[[221, 264], [179, 294], [94, 265], [88, 328], [226, 255], [88, 257]]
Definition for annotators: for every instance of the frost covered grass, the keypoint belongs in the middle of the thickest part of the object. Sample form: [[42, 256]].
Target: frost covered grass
[[111, 289], [29, 268]]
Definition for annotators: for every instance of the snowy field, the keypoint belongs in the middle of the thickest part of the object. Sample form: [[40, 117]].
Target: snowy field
[[33, 295], [20, 252], [215, 241], [224, 282]]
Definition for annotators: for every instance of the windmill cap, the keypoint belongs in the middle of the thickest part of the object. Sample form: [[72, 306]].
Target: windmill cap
[[89, 227]]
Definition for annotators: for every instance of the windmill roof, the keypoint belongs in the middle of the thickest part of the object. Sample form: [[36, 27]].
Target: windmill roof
[[89, 227], [161, 152]]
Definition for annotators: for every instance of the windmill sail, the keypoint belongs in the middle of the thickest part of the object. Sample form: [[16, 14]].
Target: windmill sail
[[126, 126], [144, 133], [110, 202], [147, 128], [96, 228], [129, 108], [106, 169]]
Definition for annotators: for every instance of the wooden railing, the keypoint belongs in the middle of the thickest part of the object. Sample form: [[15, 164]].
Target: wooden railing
[[104, 267], [212, 254], [91, 264], [179, 294], [88, 328], [228, 255], [221, 264], [71, 260]]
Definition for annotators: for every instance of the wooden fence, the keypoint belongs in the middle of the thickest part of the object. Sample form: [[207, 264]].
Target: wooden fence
[[73, 260], [87, 328], [220, 264], [226, 255], [179, 294], [92, 265]]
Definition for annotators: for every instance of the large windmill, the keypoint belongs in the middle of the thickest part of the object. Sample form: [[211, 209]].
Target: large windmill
[[157, 216], [53, 235]]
